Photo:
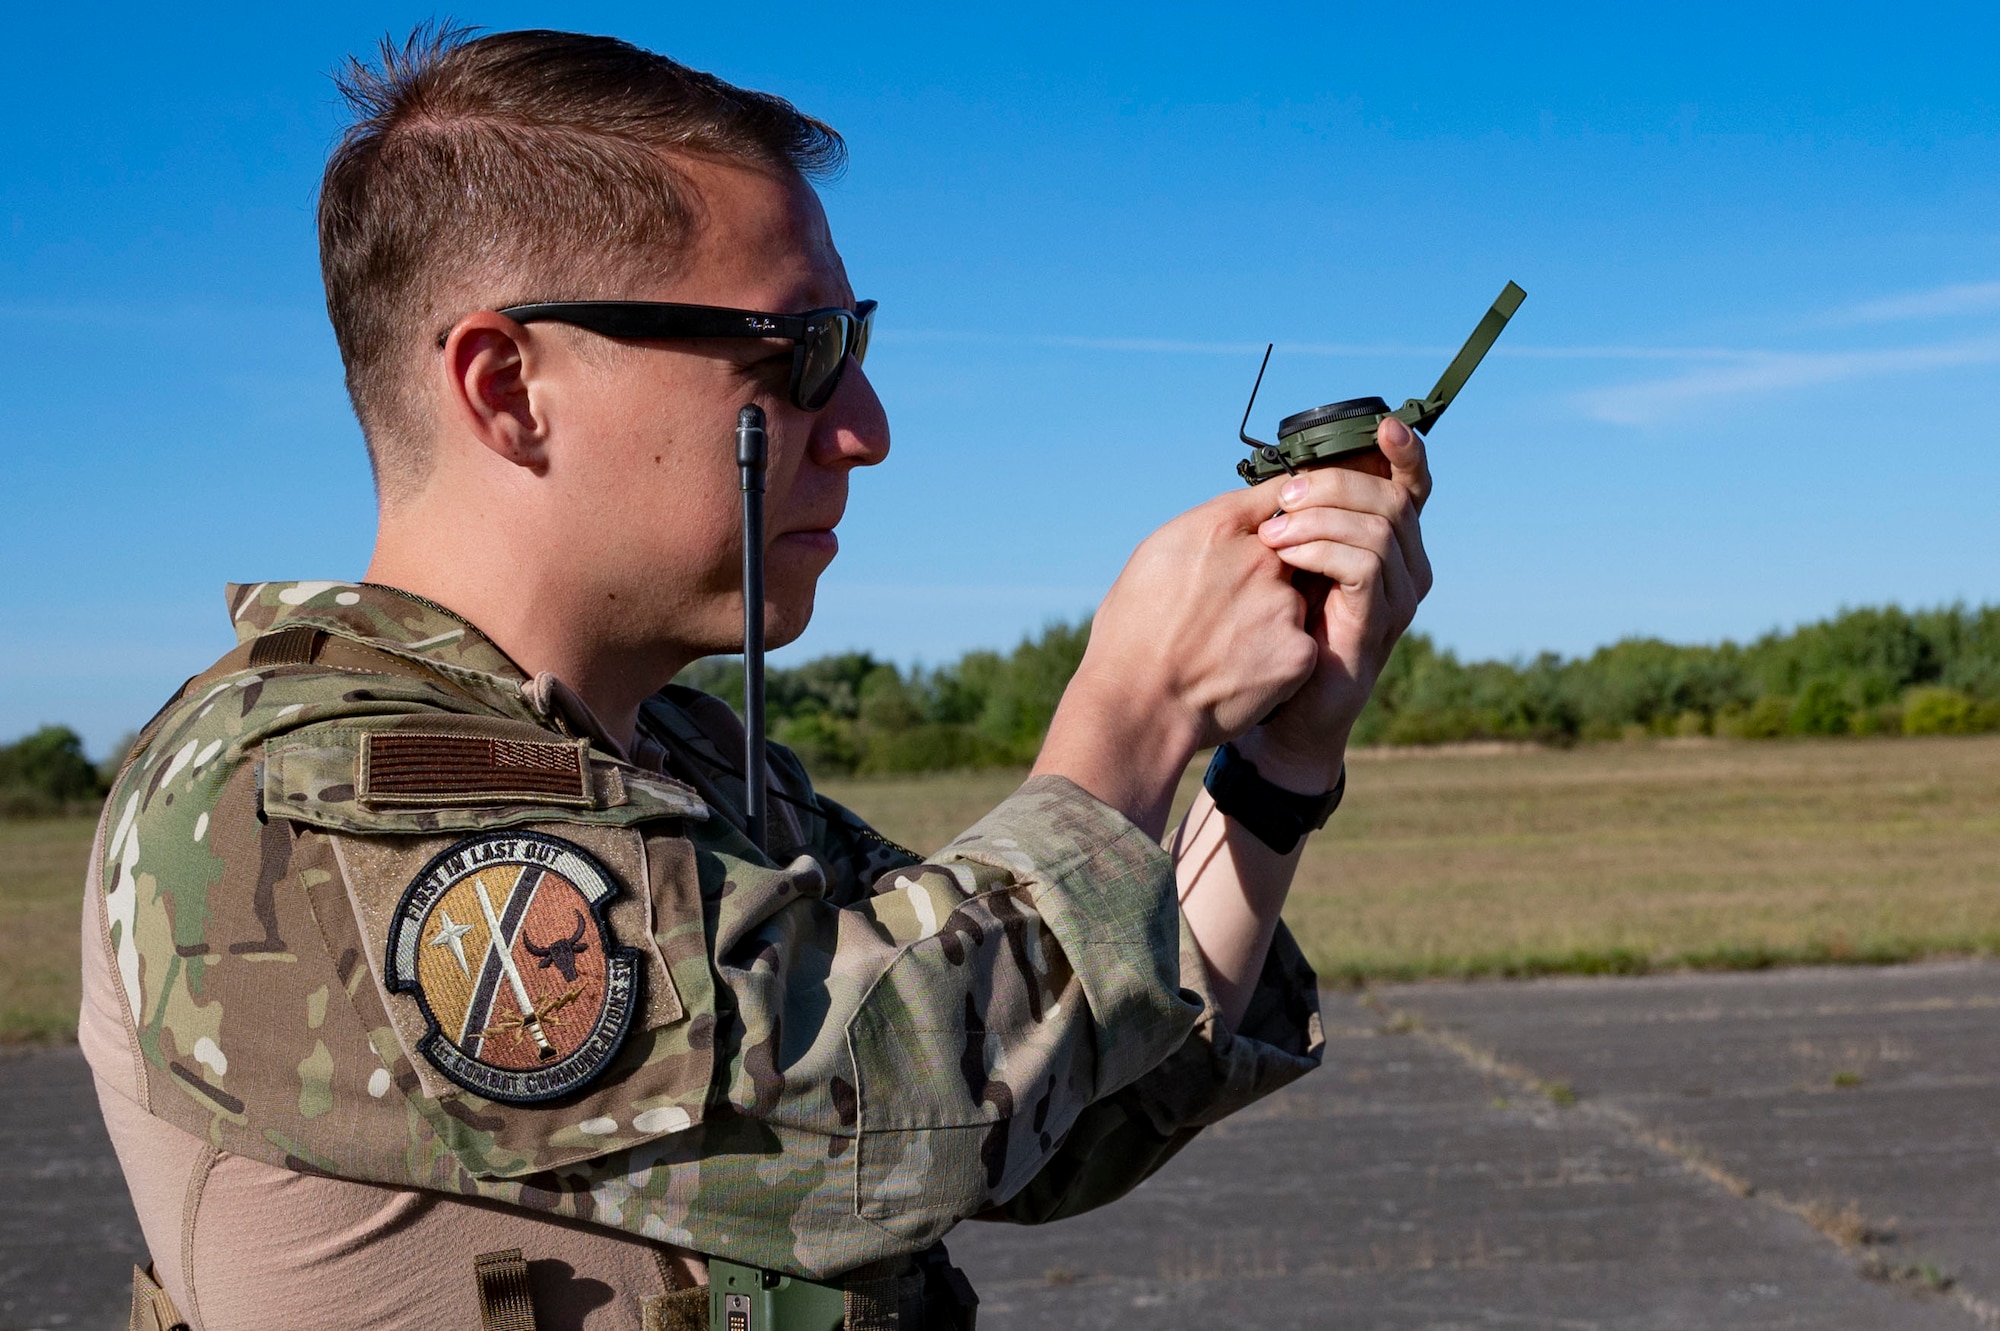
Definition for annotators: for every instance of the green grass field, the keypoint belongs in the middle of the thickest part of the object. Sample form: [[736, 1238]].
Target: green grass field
[[41, 885], [1619, 857], [1605, 858]]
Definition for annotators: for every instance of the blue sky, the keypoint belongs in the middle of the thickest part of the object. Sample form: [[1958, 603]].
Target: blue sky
[[1754, 380]]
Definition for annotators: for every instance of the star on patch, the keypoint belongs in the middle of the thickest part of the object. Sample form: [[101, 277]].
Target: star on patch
[[452, 934]]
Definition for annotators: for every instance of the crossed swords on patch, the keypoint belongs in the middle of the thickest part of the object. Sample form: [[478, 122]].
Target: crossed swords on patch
[[560, 954]]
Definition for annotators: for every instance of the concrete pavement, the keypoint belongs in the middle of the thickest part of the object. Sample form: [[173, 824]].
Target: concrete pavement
[[1799, 1149], [1602, 1154], [68, 1237]]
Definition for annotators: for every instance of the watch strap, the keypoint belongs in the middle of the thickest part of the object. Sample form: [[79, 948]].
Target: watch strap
[[1275, 816]]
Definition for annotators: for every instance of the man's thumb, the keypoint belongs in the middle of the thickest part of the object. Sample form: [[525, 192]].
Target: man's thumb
[[1409, 464]]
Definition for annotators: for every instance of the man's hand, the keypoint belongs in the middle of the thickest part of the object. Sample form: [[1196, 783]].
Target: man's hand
[[1202, 634], [1351, 532], [1359, 531], [1205, 632]]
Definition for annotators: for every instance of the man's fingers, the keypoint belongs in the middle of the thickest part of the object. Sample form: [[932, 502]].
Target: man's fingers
[[1408, 482], [1329, 490], [1324, 540], [1317, 539], [1363, 580], [1371, 531], [1359, 567], [1335, 487], [1409, 462]]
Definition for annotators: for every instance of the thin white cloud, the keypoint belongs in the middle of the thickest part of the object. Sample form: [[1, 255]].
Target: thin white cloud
[[1938, 302], [1649, 402], [1144, 345], [1174, 346], [1532, 352], [1712, 372]]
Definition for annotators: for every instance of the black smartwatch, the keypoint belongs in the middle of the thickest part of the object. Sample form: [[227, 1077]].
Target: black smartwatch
[[1275, 816]]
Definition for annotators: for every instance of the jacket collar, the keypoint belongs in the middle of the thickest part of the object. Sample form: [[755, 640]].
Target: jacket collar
[[409, 625], [395, 621]]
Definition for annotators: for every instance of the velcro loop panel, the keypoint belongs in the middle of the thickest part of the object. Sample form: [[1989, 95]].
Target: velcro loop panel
[[414, 769], [505, 1303], [873, 1305], [676, 1310], [884, 1302], [297, 645]]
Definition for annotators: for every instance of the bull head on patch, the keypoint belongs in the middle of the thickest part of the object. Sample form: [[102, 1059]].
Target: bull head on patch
[[562, 953]]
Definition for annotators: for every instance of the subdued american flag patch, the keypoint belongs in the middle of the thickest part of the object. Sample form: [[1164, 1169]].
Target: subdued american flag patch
[[413, 768]]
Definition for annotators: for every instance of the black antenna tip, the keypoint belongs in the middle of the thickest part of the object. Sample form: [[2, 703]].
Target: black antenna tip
[[751, 445]]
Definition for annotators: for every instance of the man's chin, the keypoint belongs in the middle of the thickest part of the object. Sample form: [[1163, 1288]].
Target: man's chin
[[791, 585], [786, 616], [784, 630]]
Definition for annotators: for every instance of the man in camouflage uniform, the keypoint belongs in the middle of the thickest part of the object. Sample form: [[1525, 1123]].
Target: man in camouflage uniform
[[421, 927]]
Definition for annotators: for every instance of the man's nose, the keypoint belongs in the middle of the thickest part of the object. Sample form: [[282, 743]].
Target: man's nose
[[852, 429]]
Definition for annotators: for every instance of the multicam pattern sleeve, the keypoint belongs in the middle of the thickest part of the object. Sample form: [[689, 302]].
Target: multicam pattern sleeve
[[837, 1054], [1119, 1140]]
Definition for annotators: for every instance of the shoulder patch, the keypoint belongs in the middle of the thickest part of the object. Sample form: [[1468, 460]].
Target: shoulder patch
[[502, 939]]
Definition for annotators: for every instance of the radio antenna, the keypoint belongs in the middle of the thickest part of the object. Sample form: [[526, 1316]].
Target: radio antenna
[[752, 452]]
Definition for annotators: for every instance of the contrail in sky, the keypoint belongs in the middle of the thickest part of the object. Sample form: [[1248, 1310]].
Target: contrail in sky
[[1645, 403], [1939, 302]]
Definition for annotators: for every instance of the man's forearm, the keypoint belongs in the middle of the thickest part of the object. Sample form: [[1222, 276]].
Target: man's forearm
[[1233, 887]]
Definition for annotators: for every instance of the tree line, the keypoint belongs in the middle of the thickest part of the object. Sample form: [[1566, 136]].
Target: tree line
[[1862, 672], [46, 773], [1882, 671], [853, 713]]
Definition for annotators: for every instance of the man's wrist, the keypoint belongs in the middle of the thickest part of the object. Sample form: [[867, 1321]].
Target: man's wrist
[[1122, 749], [1279, 818], [1311, 773]]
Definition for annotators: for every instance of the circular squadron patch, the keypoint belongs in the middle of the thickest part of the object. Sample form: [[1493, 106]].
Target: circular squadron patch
[[503, 942]]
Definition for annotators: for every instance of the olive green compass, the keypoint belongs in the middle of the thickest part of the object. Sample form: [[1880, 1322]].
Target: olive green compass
[[1325, 435]]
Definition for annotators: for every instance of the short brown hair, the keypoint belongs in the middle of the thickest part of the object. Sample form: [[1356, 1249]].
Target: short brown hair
[[513, 167]]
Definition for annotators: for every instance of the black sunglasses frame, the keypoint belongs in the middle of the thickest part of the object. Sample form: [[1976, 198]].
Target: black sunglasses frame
[[659, 319]]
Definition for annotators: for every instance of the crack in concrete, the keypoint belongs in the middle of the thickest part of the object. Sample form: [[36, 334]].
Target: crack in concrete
[[1856, 1237]]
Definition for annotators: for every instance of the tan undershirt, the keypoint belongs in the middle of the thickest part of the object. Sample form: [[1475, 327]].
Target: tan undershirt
[[240, 1245]]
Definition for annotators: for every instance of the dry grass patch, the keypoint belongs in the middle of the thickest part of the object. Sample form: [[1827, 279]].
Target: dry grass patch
[[41, 897], [1616, 858]]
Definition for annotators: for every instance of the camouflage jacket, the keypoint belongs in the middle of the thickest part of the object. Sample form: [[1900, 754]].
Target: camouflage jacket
[[380, 906]]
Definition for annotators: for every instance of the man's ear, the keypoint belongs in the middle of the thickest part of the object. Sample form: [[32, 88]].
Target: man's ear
[[490, 363]]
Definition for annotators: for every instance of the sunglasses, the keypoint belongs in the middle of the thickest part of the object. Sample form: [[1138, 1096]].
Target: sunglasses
[[822, 340]]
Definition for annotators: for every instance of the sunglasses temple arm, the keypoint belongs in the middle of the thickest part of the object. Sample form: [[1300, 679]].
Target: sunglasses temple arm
[[751, 455]]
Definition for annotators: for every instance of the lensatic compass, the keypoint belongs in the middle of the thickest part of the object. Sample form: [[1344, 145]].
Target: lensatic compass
[[1324, 436]]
